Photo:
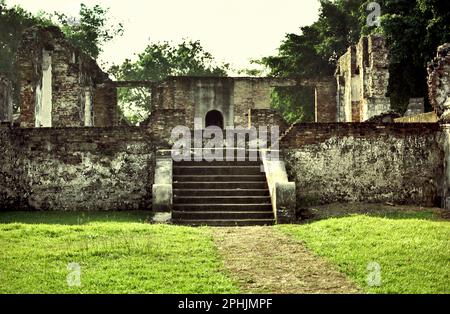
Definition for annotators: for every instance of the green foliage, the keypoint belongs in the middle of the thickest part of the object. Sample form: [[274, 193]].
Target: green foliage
[[313, 54], [290, 102], [157, 62], [413, 30], [91, 31]]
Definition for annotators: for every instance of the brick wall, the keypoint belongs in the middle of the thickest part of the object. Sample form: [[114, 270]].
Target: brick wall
[[105, 105], [325, 102], [233, 97], [76, 168], [267, 117], [362, 74], [398, 163], [161, 122], [72, 74]]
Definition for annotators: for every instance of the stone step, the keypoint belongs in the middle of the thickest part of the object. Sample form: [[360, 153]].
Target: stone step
[[223, 192], [223, 153], [204, 163], [223, 207], [221, 199], [243, 185], [208, 215], [226, 222], [217, 170], [219, 178]]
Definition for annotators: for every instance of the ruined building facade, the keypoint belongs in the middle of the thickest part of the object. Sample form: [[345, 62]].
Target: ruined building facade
[[68, 152], [362, 77], [60, 86], [6, 100]]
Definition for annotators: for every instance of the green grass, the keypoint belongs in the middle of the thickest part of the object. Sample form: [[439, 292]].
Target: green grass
[[412, 249], [117, 253]]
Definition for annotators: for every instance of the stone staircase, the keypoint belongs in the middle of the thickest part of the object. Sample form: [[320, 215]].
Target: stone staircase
[[220, 193]]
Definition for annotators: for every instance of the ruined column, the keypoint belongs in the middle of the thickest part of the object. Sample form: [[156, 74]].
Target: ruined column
[[439, 83], [6, 104]]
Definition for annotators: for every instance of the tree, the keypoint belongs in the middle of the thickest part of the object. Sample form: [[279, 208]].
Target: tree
[[413, 29], [313, 54], [157, 62], [91, 30]]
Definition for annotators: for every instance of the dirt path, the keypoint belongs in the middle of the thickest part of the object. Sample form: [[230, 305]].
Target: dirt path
[[263, 260]]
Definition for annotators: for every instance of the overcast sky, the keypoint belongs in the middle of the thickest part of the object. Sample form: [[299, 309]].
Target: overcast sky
[[234, 31]]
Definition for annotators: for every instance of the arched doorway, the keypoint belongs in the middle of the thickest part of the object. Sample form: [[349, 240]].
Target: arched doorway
[[214, 118]]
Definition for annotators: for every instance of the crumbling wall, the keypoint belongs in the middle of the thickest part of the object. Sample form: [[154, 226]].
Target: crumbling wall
[[336, 162], [439, 83], [58, 83], [6, 103], [233, 97], [325, 101], [267, 117], [362, 77], [76, 168]]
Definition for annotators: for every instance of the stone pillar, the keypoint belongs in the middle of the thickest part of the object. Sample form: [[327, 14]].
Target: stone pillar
[[439, 83], [325, 101], [6, 105], [446, 179], [282, 192], [162, 193]]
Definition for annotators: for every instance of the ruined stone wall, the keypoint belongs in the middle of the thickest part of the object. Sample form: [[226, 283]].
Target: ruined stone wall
[[105, 111], [233, 97], [429, 117], [398, 163], [267, 117], [362, 76], [76, 168], [439, 83], [325, 101], [6, 103], [161, 123], [58, 83]]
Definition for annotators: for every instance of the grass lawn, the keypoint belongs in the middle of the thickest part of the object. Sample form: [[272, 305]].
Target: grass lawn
[[412, 249], [121, 253], [117, 253]]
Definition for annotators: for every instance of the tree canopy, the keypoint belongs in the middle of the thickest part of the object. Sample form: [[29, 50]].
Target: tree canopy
[[413, 29]]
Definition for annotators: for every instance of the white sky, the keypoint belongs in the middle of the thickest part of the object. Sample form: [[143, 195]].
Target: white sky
[[233, 31]]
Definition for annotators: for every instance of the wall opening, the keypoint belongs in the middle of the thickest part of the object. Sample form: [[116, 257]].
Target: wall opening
[[88, 112], [43, 108], [214, 118]]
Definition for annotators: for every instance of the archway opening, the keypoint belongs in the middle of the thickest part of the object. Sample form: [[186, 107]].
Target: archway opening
[[214, 118]]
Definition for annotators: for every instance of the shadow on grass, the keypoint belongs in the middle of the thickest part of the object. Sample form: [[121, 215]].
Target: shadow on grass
[[372, 210], [73, 218]]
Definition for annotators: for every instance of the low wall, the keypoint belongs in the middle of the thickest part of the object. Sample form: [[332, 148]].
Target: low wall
[[398, 163], [76, 168], [429, 117]]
